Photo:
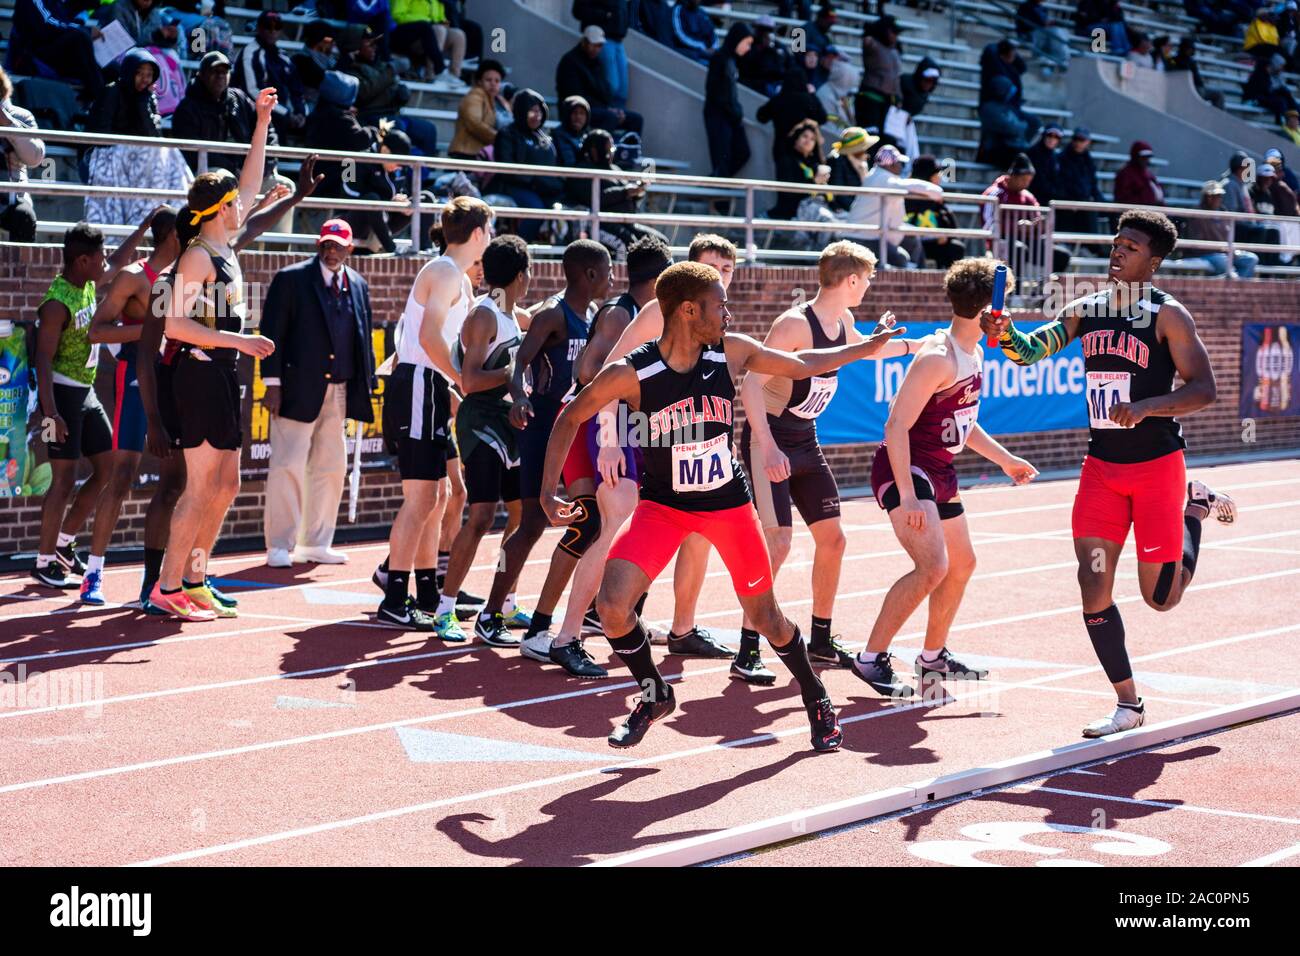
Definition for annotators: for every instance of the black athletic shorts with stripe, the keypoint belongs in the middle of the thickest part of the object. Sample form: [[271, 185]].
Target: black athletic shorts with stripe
[[89, 431], [417, 412], [811, 486]]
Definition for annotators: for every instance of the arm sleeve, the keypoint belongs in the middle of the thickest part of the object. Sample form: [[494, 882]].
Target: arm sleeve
[[1026, 349]]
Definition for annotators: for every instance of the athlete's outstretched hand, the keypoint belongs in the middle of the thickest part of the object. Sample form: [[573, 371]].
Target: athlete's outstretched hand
[[266, 100], [992, 326], [885, 330], [611, 463], [913, 513], [776, 463], [258, 346], [1020, 471], [560, 511]]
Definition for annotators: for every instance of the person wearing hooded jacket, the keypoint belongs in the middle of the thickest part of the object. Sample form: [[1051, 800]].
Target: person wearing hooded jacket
[[836, 96], [1004, 129], [575, 123], [1135, 183], [724, 117], [128, 106], [792, 105], [525, 141], [48, 31]]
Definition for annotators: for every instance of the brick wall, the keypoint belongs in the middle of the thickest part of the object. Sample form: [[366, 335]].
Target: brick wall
[[757, 295]]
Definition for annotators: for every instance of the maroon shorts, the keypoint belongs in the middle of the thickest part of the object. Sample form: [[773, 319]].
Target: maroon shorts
[[656, 531], [942, 479], [1148, 495]]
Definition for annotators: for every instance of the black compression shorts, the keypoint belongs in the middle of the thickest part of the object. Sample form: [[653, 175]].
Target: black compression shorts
[[811, 486]]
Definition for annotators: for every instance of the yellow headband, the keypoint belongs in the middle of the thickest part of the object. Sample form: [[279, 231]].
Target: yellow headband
[[228, 197]]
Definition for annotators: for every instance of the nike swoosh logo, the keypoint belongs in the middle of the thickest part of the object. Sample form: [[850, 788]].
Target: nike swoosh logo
[[753, 582], [707, 374], [404, 619], [1149, 550]]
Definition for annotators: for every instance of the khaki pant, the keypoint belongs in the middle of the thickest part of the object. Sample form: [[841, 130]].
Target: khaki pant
[[309, 462]]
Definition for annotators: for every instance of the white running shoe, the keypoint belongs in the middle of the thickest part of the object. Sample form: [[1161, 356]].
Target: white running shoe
[[1124, 718], [537, 647], [325, 555], [657, 634], [1215, 503], [278, 558]]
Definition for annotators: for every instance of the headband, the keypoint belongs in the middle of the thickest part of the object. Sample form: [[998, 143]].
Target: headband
[[197, 216]]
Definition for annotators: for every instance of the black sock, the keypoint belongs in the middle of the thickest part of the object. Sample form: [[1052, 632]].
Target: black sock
[[633, 648], [748, 641], [426, 586], [399, 584], [540, 623], [1106, 630], [170, 590], [640, 605], [1191, 543], [795, 656], [153, 559], [821, 632], [191, 584]]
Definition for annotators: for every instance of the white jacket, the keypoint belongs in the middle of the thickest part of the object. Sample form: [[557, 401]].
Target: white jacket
[[867, 209]]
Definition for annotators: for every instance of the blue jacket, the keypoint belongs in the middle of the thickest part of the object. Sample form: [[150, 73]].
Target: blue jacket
[[693, 33]]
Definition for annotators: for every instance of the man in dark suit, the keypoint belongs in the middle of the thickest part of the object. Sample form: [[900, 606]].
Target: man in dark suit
[[322, 371]]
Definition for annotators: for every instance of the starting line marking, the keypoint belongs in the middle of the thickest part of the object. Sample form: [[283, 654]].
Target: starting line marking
[[799, 823]]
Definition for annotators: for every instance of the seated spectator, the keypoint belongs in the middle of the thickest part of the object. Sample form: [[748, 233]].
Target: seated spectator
[[318, 55], [617, 195], [1185, 59], [451, 38], [214, 110], [17, 215], [48, 40], [262, 64], [764, 66], [888, 212], [575, 124], [1078, 183], [477, 120], [614, 17], [882, 74], [929, 212], [1011, 190], [1143, 52], [1002, 59], [373, 13], [525, 141], [1136, 184], [724, 117], [580, 72], [1267, 193], [836, 96], [1046, 159], [693, 31], [1208, 229], [917, 87], [1039, 29], [1005, 131], [1287, 175], [1106, 16], [1162, 52], [504, 105], [849, 164], [1282, 197], [1267, 88], [1224, 17], [799, 161], [415, 37], [458, 20], [1290, 127], [144, 20], [819, 64], [1262, 38], [1237, 198], [129, 107], [792, 105], [817, 31], [333, 125], [655, 20]]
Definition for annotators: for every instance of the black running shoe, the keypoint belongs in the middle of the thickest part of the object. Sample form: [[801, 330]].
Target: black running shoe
[[468, 605], [68, 557], [573, 657], [832, 652], [749, 667], [494, 631], [947, 667], [645, 713], [409, 618], [879, 673], [380, 577], [826, 733], [54, 575], [697, 642]]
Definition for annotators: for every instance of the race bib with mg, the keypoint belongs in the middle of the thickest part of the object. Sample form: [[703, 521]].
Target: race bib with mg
[[701, 465], [821, 389]]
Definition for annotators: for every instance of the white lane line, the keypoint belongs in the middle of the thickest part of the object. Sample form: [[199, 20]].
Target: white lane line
[[1164, 805], [1278, 857]]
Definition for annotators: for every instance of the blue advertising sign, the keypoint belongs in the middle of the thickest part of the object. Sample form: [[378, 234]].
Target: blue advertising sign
[[1042, 397]]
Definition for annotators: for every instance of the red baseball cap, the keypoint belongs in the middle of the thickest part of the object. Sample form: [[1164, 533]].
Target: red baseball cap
[[336, 230]]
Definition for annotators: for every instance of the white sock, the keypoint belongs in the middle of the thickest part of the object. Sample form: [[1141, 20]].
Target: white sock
[[44, 560], [563, 640], [66, 539], [447, 604], [509, 605], [96, 563], [930, 656]]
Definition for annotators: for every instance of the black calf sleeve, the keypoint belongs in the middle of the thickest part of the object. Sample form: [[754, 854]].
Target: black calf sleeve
[[580, 535], [1191, 543], [795, 656], [1106, 631], [633, 648]]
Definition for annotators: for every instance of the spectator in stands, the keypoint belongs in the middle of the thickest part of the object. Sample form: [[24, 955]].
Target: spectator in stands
[[888, 211], [799, 160], [477, 121], [1143, 53], [374, 13], [614, 17], [822, 64], [1284, 200], [318, 55], [655, 20], [617, 195], [917, 87], [333, 124], [1078, 183], [800, 8], [575, 123], [765, 65], [929, 212], [1108, 17], [1038, 28], [1185, 59], [724, 118], [792, 105], [817, 31], [1266, 193], [882, 74], [1046, 159], [143, 20], [504, 104], [1287, 175], [17, 215], [1291, 126], [458, 20], [1267, 88], [417, 37], [1207, 229], [1015, 225], [1263, 39], [526, 141], [214, 110], [849, 164], [1005, 131], [262, 64], [1002, 59], [1136, 183], [1162, 52], [46, 32], [1237, 198], [580, 72], [836, 96], [381, 95], [1224, 17], [128, 107], [693, 32]]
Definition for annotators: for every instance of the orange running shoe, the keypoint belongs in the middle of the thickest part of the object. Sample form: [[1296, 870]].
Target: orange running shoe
[[179, 606]]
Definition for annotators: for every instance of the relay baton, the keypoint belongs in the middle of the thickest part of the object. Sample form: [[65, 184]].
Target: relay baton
[[999, 298]]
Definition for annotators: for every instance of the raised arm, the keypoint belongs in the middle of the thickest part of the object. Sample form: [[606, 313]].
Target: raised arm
[[125, 254], [251, 176], [894, 348], [750, 355], [1198, 390], [1044, 341], [268, 214], [106, 324]]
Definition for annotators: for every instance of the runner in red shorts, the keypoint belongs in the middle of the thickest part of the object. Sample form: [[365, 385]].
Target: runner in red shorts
[[1134, 338], [682, 385]]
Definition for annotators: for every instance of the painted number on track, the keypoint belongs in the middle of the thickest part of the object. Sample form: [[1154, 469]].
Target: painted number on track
[[1009, 837]]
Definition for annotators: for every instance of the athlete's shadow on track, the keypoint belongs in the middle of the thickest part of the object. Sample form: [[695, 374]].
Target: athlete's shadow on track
[[342, 646], [588, 823], [891, 733], [45, 635]]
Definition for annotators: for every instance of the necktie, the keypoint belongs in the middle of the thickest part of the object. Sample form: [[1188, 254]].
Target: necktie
[[334, 286]]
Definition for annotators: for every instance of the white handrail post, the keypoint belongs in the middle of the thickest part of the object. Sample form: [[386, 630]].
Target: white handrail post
[[595, 208], [751, 249], [203, 162], [1232, 250], [417, 237]]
